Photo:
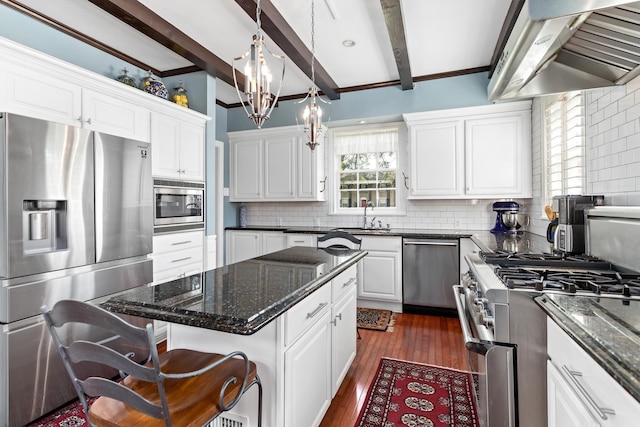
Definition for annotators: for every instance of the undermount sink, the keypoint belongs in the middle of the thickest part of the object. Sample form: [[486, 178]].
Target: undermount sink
[[362, 230]]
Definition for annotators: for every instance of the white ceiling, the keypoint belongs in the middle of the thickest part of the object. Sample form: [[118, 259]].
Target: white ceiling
[[442, 35]]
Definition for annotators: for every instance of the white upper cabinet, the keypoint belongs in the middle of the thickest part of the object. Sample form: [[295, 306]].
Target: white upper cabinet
[[37, 85], [275, 165], [437, 149], [476, 152], [109, 113], [177, 147]]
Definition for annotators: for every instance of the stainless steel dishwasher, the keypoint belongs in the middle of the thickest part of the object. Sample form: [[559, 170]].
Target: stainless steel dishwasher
[[430, 267]]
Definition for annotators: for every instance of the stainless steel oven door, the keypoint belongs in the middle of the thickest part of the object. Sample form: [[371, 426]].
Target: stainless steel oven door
[[178, 205], [494, 366]]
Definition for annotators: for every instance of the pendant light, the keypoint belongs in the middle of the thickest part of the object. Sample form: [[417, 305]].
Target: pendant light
[[257, 97], [312, 113]]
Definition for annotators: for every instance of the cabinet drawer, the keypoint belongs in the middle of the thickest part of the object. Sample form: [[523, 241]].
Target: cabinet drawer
[[344, 282], [305, 313], [587, 377], [387, 244], [301, 240], [177, 259], [177, 241]]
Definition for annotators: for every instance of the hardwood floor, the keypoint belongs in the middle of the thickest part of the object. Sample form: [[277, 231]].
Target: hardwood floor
[[419, 338]]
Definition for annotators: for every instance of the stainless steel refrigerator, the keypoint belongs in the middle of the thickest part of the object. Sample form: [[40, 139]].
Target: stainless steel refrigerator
[[76, 221]]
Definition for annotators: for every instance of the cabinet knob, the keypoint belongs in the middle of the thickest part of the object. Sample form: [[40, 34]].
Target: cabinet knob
[[89, 121]]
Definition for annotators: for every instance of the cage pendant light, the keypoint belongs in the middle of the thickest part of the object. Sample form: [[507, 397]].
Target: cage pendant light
[[257, 97], [312, 113]]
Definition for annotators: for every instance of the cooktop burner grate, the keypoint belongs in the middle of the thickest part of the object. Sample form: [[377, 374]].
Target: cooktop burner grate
[[591, 281]]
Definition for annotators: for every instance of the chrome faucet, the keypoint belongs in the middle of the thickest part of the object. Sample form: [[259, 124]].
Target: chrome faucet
[[368, 205]]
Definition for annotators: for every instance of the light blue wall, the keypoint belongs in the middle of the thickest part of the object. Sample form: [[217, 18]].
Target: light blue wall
[[389, 102]]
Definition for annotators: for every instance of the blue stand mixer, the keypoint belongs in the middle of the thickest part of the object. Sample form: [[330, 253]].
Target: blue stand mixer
[[506, 208]]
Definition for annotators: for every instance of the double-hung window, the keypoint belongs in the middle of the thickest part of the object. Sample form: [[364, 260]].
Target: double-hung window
[[564, 145], [365, 163]]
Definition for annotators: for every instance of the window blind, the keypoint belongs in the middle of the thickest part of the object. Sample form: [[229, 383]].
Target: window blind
[[565, 146]]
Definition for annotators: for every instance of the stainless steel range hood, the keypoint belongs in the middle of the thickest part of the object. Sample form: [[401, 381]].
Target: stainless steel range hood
[[557, 46]]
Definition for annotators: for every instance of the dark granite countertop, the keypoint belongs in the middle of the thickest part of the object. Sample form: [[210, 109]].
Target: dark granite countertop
[[608, 329], [486, 241], [239, 298]]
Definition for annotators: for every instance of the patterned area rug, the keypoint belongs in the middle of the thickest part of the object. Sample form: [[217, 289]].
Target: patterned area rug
[[71, 415], [411, 394], [377, 320]]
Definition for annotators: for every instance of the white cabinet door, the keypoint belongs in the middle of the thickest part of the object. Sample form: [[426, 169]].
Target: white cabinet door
[[437, 159], [242, 245], [107, 112], [564, 409], [467, 246], [34, 93], [311, 178], [245, 172], [165, 147], [307, 376], [192, 151], [272, 242], [380, 272], [343, 337], [496, 155], [177, 148], [280, 158]]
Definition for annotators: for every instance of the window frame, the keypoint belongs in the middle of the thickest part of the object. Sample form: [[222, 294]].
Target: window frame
[[334, 170], [567, 134]]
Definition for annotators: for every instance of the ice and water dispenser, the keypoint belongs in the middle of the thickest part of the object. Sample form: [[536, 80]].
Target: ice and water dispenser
[[44, 226]]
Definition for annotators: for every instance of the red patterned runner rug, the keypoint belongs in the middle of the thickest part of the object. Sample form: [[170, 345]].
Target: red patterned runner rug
[[416, 395], [71, 415]]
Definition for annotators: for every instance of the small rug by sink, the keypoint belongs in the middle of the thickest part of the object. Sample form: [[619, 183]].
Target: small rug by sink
[[377, 320], [404, 393]]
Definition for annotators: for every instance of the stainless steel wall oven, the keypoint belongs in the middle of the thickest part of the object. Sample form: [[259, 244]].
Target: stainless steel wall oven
[[178, 205]]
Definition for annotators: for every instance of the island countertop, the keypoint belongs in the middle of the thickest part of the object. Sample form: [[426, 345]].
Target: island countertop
[[239, 298]]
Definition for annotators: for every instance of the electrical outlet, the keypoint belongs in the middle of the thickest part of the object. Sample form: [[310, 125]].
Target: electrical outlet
[[316, 222], [279, 222], [457, 223]]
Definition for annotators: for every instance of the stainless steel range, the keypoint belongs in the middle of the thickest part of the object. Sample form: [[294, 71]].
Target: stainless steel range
[[505, 330]]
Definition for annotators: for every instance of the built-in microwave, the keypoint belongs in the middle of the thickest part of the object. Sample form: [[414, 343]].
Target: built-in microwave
[[178, 204]]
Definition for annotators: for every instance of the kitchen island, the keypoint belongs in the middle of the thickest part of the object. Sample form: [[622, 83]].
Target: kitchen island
[[293, 312]]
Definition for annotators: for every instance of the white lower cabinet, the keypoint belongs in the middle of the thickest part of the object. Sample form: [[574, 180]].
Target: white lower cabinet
[[343, 323], [242, 245], [273, 241], [579, 391], [307, 377], [381, 270]]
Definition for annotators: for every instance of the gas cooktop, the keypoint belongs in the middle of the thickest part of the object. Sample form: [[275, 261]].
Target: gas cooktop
[[552, 260], [597, 282]]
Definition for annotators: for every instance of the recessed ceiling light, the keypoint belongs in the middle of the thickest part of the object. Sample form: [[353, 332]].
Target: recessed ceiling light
[[348, 43], [362, 122]]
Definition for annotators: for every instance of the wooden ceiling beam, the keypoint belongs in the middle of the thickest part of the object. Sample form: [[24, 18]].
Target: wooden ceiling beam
[[395, 27], [279, 30], [143, 19]]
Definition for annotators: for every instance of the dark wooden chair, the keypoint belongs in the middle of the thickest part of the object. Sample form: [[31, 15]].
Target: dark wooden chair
[[339, 239], [176, 388]]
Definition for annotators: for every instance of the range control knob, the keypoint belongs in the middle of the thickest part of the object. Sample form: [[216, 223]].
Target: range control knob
[[481, 302], [486, 319]]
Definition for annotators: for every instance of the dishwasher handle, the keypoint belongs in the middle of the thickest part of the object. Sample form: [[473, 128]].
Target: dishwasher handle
[[428, 243]]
